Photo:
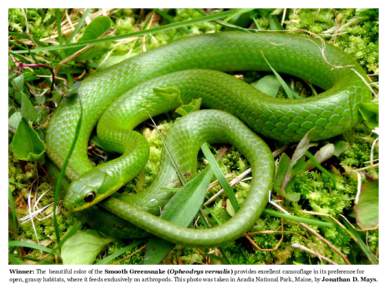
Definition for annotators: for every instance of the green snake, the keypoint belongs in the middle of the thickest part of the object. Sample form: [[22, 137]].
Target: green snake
[[158, 81]]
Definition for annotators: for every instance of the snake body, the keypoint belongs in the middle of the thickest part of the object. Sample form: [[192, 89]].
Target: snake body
[[123, 96]]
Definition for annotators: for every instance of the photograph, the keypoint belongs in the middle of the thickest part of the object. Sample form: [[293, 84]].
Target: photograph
[[193, 136]]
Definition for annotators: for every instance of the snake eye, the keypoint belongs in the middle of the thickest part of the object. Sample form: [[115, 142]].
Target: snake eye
[[90, 197]]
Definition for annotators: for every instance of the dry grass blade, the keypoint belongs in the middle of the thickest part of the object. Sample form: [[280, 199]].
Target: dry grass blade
[[320, 256], [317, 235]]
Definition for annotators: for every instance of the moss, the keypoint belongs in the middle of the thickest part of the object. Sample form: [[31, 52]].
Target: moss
[[324, 195], [357, 155], [354, 30], [39, 23], [372, 240]]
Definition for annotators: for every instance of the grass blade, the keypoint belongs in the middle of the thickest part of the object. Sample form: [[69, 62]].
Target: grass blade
[[58, 17], [15, 260], [220, 177], [60, 178], [108, 259], [180, 210], [281, 172], [313, 160], [161, 28], [356, 237], [289, 92], [13, 222], [94, 30], [81, 22], [31, 245], [298, 219]]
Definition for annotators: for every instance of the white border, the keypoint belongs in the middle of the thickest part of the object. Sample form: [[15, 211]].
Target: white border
[[197, 4], [203, 291]]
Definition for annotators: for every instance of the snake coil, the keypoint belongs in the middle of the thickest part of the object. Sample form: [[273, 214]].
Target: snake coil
[[122, 96]]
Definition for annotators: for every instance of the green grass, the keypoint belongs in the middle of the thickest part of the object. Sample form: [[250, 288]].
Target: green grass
[[44, 37]]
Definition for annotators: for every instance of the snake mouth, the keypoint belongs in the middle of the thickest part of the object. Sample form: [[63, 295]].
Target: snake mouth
[[80, 208], [76, 201], [72, 207]]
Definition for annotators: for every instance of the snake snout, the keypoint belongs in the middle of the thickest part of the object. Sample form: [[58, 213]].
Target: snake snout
[[86, 191], [79, 197]]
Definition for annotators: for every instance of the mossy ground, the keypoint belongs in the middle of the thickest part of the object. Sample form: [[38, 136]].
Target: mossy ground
[[272, 240]]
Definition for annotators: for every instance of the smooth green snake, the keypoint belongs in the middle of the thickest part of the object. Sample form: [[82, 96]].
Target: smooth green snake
[[158, 81]]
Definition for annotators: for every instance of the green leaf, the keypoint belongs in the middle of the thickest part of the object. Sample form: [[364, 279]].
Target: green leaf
[[73, 229], [26, 143], [300, 166], [180, 210], [95, 29], [325, 152], [156, 251], [192, 106], [81, 22], [169, 94], [83, 247], [296, 164], [27, 110], [14, 120], [289, 92], [268, 85], [370, 113], [292, 196], [219, 213], [367, 208], [281, 171], [18, 83], [301, 149], [114, 60], [220, 177]]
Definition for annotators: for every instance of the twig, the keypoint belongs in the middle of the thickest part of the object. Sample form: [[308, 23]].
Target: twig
[[283, 16], [364, 81], [70, 58], [257, 247], [372, 149], [366, 168], [30, 212], [314, 232], [21, 66], [233, 182], [135, 252], [359, 186], [308, 250], [240, 177]]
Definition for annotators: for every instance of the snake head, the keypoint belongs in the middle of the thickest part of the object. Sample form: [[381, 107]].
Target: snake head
[[90, 189]]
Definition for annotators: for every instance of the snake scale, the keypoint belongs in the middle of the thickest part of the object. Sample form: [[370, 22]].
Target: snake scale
[[123, 96]]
